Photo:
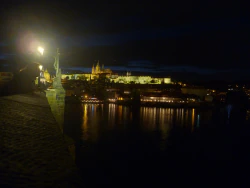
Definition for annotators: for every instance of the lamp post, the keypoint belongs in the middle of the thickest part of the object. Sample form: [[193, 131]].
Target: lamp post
[[56, 94], [40, 51], [57, 79]]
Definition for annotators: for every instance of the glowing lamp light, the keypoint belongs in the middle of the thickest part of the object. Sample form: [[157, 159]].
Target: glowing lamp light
[[40, 50], [40, 67]]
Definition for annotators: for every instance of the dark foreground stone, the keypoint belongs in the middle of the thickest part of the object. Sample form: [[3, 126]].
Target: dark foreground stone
[[32, 149]]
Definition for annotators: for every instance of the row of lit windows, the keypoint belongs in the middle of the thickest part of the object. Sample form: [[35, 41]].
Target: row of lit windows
[[169, 101], [95, 101], [149, 100], [142, 100]]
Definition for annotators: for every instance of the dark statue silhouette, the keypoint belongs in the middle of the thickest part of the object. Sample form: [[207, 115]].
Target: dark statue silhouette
[[23, 80]]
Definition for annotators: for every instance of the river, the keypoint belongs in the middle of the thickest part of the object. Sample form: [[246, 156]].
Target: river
[[123, 146]]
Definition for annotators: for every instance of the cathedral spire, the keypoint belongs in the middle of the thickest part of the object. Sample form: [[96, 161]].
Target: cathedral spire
[[93, 69]]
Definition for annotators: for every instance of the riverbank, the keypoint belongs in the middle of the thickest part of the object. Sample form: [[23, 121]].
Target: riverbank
[[33, 150], [146, 104]]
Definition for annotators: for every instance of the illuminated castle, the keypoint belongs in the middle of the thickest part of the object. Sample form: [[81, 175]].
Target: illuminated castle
[[128, 79], [99, 70]]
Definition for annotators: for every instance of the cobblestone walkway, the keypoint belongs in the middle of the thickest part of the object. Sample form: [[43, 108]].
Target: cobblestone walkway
[[32, 150]]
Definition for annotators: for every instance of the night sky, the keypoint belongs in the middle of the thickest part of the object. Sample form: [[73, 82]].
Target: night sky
[[175, 36]]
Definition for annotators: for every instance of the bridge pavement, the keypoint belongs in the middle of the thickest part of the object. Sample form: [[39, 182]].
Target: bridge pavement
[[32, 149]]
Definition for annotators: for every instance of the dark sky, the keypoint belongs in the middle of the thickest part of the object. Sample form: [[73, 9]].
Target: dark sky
[[199, 36]]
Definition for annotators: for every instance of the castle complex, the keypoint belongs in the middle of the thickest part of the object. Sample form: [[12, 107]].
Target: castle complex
[[128, 79], [98, 70]]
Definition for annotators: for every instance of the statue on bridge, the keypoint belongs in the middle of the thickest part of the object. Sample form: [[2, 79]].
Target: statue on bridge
[[57, 80], [56, 63], [56, 94]]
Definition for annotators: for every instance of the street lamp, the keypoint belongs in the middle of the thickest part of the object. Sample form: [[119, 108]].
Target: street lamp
[[57, 79], [40, 67], [39, 78], [40, 50]]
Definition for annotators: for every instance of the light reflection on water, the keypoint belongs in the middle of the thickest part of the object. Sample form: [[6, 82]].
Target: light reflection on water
[[116, 143], [166, 118], [99, 118], [85, 122]]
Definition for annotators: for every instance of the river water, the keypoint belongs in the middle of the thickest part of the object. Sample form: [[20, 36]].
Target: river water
[[146, 146]]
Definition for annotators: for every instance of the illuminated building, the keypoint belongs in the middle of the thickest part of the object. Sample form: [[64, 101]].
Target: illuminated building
[[44, 77], [98, 70], [128, 79], [161, 99], [140, 80]]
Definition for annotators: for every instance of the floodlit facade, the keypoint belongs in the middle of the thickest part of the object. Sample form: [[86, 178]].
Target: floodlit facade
[[120, 79], [140, 80], [128, 79], [46, 76], [99, 70]]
